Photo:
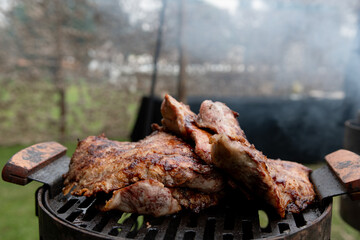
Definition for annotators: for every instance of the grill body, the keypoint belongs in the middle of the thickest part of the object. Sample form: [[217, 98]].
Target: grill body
[[350, 208], [71, 217]]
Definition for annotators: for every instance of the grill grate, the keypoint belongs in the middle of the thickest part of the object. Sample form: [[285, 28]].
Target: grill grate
[[231, 220]]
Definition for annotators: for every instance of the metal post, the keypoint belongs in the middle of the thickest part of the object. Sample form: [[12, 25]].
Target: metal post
[[181, 93], [154, 74]]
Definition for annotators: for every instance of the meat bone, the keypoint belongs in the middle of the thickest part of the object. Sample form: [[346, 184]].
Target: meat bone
[[43, 162]]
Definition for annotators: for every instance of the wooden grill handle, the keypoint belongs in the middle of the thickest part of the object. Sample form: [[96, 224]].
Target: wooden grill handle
[[31, 159], [346, 165]]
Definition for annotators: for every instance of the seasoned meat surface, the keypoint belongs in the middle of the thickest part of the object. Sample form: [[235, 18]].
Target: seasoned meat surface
[[152, 197], [179, 119], [144, 197], [219, 118], [213, 117], [102, 165], [284, 185], [293, 181], [163, 173], [196, 200]]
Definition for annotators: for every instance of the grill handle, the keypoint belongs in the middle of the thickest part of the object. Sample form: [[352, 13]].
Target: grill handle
[[339, 176], [345, 164], [30, 160]]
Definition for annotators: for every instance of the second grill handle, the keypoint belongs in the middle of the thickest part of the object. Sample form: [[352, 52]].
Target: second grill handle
[[346, 165], [31, 159]]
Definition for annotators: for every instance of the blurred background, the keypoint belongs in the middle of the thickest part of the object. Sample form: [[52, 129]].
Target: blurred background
[[70, 69]]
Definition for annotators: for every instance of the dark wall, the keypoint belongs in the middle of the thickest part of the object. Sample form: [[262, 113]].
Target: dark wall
[[302, 130]]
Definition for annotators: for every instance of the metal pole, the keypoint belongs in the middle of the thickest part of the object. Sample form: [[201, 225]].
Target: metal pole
[[181, 93], [154, 74]]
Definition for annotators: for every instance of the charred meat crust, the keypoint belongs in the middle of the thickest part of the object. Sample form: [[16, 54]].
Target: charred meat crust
[[163, 172], [284, 185], [152, 197], [143, 197], [102, 165]]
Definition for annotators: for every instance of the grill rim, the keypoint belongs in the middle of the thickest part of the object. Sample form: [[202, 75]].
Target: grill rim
[[73, 231], [43, 209]]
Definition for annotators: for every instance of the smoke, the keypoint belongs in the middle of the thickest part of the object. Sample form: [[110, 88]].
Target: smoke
[[252, 47], [298, 46]]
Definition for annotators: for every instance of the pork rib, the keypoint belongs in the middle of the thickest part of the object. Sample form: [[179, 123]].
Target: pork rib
[[179, 119], [213, 117], [219, 118], [172, 174], [152, 197], [284, 185], [144, 197], [102, 165]]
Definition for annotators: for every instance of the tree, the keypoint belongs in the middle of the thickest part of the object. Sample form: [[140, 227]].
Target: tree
[[51, 38]]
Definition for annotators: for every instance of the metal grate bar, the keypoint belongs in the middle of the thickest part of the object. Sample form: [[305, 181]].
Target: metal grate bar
[[232, 220], [162, 228], [173, 226], [110, 224]]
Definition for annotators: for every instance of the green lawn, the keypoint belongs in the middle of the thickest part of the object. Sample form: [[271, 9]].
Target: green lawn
[[17, 219], [340, 230], [17, 208]]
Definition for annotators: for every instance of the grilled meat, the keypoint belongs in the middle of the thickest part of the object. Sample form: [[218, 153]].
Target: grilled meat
[[163, 173], [284, 185], [102, 165], [179, 119], [196, 200], [219, 118], [214, 117], [292, 179], [152, 197], [144, 197]]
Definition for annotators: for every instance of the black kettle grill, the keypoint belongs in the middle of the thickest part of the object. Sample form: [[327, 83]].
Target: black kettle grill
[[73, 217]]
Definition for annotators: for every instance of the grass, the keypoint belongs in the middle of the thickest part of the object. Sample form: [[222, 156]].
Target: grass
[[30, 113], [17, 219], [17, 208], [340, 229]]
